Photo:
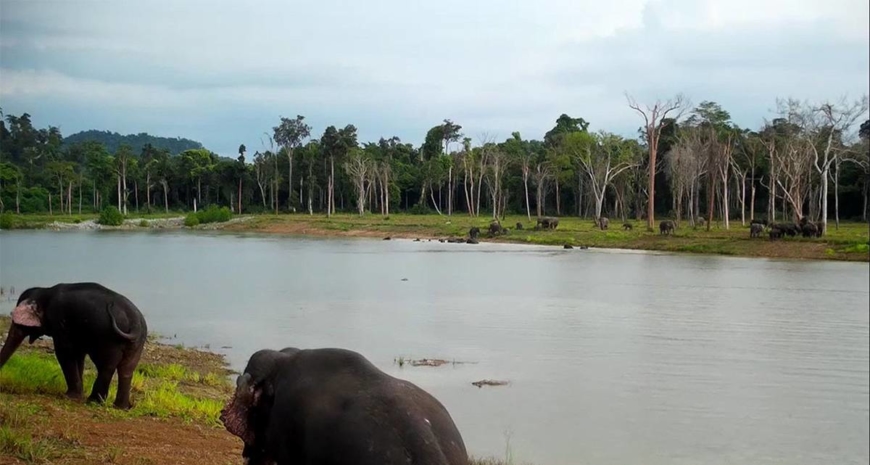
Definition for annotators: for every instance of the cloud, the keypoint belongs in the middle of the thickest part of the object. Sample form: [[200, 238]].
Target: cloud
[[223, 73]]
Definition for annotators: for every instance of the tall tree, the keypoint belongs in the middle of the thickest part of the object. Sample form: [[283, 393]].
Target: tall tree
[[602, 156], [289, 135], [653, 117]]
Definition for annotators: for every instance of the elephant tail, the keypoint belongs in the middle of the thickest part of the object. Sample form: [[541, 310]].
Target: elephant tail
[[132, 336]]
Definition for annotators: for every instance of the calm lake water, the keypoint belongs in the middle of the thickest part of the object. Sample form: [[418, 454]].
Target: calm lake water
[[612, 357]]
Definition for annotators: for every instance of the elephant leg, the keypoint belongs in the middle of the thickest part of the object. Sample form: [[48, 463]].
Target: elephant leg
[[70, 363], [125, 377], [106, 363]]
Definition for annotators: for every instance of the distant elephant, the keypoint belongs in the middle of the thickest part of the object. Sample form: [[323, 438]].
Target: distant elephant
[[820, 228], [495, 228], [627, 226], [763, 223], [809, 229], [775, 233], [755, 229], [519, 226], [334, 407], [666, 227], [603, 222], [474, 232], [83, 319], [547, 222]]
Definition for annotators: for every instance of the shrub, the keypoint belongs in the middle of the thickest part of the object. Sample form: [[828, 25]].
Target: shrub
[[111, 216], [191, 220], [143, 223], [6, 221], [214, 214]]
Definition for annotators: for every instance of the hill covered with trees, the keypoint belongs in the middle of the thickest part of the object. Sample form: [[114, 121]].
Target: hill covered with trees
[[113, 141]]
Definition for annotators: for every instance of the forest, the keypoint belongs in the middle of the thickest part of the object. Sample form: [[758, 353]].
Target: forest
[[688, 163]]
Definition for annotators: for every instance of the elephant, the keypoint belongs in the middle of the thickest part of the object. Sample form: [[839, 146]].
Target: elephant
[[775, 233], [809, 229], [495, 228], [763, 223], [755, 229], [474, 232], [603, 222], [332, 406], [547, 222], [666, 227], [519, 226], [627, 226], [83, 319]]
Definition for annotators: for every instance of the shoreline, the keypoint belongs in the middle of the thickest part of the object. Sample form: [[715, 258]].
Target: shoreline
[[850, 243]]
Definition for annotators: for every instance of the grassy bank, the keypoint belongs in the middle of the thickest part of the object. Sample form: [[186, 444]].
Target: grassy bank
[[849, 242], [177, 393]]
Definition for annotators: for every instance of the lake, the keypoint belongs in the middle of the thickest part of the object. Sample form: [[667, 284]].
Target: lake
[[613, 357]]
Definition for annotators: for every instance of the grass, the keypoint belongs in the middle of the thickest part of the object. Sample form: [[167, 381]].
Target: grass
[[164, 391], [849, 242]]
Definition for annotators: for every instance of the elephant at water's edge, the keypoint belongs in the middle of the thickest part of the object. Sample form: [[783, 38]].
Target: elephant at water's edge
[[333, 406], [82, 319]]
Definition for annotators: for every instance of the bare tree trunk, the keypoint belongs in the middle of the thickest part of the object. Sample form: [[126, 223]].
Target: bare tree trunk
[[136, 193], [710, 192], [50, 212], [558, 209], [526, 188], [465, 188], [119, 193], [837, 194], [80, 194], [69, 198], [450, 190]]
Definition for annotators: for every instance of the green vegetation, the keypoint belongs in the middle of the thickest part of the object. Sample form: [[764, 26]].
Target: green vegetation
[[6, 221], [111, 216], [159, 391], [214, 214], [113, 141]]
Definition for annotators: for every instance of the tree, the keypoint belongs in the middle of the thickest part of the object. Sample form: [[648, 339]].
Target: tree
[[521, 154], [198, 163], [653, 117], [122, 161], [289, 135], [602, 157], [241, 170], [823, 122], [564, 125], [358, 166]]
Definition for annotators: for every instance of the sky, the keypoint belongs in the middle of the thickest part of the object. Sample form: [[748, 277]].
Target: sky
[[223, 73]]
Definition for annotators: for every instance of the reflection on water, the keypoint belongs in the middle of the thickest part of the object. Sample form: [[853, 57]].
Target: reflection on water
[[613, 357]]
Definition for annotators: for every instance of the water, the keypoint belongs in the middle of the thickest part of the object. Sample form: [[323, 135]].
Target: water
[[613, 357]]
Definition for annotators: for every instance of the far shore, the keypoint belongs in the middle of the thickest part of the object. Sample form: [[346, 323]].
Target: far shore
[[849, 242]]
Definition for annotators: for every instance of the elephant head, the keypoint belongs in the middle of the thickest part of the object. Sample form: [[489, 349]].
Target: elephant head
[[254, 391], [27, 320]]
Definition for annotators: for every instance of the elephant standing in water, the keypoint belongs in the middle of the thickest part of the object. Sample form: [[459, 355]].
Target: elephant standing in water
[[334, 407], [82, 319]]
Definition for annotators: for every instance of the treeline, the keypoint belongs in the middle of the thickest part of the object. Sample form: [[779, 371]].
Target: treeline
[[810, 160], [137, 142]]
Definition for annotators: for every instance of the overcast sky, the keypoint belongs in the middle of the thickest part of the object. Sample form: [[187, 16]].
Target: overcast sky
[[224, 73]]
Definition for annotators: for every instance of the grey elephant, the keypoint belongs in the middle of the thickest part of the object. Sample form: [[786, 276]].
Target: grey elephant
[[83, 319], [603, 222], [755, 229], [334, 407], [547, 222], [667, 227]]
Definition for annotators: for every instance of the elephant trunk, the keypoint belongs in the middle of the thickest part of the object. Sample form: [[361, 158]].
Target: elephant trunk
[[13, 340]]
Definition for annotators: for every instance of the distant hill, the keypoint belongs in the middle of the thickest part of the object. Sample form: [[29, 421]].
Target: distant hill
[[113, 140]]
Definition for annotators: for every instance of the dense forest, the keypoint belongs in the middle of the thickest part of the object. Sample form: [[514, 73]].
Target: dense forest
[[808, 160], [113, 141]]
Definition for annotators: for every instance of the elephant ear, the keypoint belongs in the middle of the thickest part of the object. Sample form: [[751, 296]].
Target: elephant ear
[[27, 314]]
